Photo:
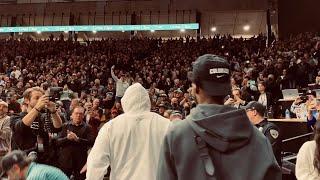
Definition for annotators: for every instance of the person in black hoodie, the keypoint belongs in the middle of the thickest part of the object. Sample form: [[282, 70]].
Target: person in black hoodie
[[215, 141]]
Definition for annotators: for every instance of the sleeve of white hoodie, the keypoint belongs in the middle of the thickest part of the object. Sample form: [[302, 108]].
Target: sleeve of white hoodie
[[99, 156]]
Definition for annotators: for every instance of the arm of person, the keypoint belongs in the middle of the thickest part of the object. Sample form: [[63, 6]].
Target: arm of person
[[30, 117], [182, 101], [274, 170], [274, 135], [89, 137], [56, 119], [293, 107], [34, 112], [62, 137], [304, 162], [99, 157], [166, 167], [114, 77]]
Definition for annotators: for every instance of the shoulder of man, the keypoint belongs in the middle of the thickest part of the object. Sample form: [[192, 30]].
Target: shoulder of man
[[179, 129], [16, 117], [272, 131]]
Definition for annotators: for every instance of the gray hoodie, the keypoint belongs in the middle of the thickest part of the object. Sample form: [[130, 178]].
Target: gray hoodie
[[238, 150]]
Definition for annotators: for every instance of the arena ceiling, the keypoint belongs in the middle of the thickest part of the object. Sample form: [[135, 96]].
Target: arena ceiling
[[217, 16]]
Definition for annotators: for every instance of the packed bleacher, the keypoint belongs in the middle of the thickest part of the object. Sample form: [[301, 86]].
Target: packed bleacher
[[95, 75]]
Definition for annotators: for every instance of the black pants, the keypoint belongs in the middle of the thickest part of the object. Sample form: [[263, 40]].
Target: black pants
[[74, 168], [75, 172]]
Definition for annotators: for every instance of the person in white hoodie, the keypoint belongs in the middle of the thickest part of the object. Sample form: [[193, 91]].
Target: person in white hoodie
[[308, 158], [131, 142]]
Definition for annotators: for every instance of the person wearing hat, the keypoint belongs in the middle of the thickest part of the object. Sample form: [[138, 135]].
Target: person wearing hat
[[162, 109], [16, 165], [224, 131], [175, 116], [255, 112], [5, 131], [306, 107]]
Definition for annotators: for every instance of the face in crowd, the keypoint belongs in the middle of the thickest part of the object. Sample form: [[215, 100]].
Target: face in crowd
[[77, 115]]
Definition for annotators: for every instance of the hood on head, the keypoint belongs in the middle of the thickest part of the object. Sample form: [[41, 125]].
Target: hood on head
[[223, 128], [136, 99]]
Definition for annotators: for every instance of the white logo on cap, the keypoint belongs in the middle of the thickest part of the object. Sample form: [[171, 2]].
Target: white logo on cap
[[219, 71]]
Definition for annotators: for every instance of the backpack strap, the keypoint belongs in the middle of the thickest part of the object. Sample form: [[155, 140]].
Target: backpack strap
[[204, 151]]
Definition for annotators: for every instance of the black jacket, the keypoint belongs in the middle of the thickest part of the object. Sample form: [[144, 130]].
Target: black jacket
[[25, 137], [72, 153], [272, 132], [270, 99], [238, 150]]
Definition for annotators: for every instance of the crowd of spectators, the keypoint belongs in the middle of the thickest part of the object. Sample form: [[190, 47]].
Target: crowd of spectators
[[161, 66], [95, 74]]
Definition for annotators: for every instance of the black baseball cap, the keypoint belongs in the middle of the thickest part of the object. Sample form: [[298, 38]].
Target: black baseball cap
[[213, 74], [254, 105], [12, 158], [313, 93]]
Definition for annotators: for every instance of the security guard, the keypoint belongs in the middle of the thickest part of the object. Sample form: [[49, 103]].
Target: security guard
[[255, 112]]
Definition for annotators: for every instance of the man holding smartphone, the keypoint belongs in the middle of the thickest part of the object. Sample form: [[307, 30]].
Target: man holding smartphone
[[235, 99]]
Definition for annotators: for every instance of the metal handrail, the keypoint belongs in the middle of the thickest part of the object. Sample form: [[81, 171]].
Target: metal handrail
[[297, 137]]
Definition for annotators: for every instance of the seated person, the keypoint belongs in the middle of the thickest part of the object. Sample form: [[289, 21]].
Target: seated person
[[306, 107], [236, 100]]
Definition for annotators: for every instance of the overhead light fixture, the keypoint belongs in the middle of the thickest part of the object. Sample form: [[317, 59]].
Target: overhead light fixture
[[152, 31], [66, 32], [122, 31], [94, 32], [213, 29], [38, 32], [182, 30], [246, 28]]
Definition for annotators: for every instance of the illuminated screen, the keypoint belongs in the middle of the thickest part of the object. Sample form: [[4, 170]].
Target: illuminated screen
[[149, 27]]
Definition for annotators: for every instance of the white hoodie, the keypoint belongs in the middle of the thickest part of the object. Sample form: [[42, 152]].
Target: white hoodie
[[131, 142]]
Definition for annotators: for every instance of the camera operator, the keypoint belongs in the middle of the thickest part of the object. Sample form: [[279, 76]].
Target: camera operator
[[305, 107], [31, 129]]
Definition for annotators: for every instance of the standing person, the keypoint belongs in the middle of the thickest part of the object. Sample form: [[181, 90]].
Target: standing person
[[215, 141], [74, 141], [308, 159], [255, 112], [18, 166], [5, 131], [131, 142], [31, 128], [121, 84]]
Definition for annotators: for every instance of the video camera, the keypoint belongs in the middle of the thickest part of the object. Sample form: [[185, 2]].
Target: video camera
[[54, 93], [303, 98]]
